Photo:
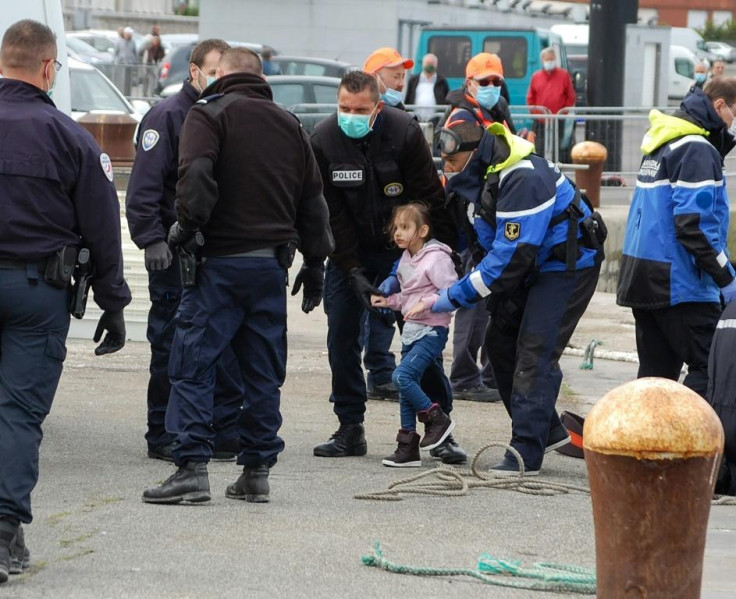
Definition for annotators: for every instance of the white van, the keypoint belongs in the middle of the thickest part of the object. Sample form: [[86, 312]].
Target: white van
[[681, 72], [693, 41], [49, 13]]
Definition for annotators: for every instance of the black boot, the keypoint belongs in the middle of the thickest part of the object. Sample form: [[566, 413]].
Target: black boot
[[252, 486], [407, 451], [437, 426], [449, 452], [20, 557], [8, 531], [189, 483], [348, 440]]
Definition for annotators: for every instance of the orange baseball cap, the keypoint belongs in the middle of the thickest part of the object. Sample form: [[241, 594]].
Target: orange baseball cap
[[385, 57], [483, 66]]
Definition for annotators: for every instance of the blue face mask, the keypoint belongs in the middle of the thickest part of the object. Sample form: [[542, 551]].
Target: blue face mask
[[210, 80], [355, 126], [488, 96], [700, 77], [391, 97]]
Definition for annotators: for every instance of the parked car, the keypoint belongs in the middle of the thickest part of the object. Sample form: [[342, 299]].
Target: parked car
[[723, 50], [175, 66], [104, 39], [310, 98], [82, 51], [315, 67], [93, 92]]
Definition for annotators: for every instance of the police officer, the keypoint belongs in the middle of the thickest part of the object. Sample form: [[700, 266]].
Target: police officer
[[57, 194], [538, 274], [674, 267], [149, 208], [372, 158], [250, 185]]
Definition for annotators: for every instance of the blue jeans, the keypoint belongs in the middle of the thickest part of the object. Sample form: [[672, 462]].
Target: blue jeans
[[416, 359], [34, 322], [238, 303]]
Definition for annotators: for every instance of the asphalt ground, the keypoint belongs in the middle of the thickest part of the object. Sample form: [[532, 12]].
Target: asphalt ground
[[92, 537]]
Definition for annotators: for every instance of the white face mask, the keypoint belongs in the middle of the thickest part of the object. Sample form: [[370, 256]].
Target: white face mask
[[732, 129]]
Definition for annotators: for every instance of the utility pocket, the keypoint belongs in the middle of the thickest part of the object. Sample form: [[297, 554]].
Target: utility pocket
[[56, 347], [186, 350]]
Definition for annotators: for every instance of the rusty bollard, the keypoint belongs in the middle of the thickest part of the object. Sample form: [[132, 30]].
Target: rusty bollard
[[589, 180], [652, 449]]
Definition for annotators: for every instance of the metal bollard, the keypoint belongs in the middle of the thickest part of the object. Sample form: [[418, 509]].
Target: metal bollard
[[594, 155], [652, 449]]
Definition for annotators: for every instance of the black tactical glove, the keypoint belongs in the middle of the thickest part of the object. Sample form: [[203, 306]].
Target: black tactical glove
[[177, 235], [313, 278], [457, 261], [114, 323], [157, 256], [363, 287]]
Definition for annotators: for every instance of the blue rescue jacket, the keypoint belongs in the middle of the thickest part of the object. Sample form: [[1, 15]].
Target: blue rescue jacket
[[517, 231], [151, 194], [675, 244]]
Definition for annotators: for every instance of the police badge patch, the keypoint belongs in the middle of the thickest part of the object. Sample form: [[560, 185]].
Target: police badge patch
[[511, 231], [393, 189], [106, 165], [150, 139]]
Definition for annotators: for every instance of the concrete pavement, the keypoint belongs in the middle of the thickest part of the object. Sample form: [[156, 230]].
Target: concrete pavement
[[93, 538]]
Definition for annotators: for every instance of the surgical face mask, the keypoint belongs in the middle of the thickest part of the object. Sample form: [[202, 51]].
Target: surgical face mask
[[449, 176], [488, 96], [700, 77], [732, 129], [209, 79], [355, 126], [391, 97], [429, 69], [548, 65]]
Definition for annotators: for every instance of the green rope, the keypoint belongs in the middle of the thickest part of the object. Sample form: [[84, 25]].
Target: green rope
[[540, 577]]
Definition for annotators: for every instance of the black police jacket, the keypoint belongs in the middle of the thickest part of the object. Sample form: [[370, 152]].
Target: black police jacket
[[149, 201], [366, 178], [247, 175], [56, 190]]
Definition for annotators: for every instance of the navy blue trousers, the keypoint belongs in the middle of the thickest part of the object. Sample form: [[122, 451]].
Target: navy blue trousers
[[238, 303], [165, 292], [529, 330], [344, 316], [34, 322]]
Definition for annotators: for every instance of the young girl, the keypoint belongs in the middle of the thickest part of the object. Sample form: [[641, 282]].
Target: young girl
[[425, 267]]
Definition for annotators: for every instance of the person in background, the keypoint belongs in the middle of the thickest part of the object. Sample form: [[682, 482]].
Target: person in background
[[552, 88], [718, 69], [125, 52], [701, 74], [389, 69], [269, 68], [427, 89]]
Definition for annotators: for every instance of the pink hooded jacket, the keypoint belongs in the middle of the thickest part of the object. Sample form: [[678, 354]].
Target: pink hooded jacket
[[421, 276]]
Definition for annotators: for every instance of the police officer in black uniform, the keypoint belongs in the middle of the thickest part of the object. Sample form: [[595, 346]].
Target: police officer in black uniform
[[149, 208], [250, 186], [56, 194], [372, 158]]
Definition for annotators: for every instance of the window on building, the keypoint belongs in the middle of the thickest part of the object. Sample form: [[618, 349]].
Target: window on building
[[697, 18], [722, 16]]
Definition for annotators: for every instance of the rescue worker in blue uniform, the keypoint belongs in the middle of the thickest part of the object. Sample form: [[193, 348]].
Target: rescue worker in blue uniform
[[56, 195], [249, 184], [674, 268], [538, 275], [149, 208], [372, 157]]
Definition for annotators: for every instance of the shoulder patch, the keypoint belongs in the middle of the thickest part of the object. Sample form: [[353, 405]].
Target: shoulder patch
[[150, 138], [511, 231], [106, 165], [209, 99]]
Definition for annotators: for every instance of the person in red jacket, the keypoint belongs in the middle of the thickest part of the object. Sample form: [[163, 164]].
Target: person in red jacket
[[552, 88]]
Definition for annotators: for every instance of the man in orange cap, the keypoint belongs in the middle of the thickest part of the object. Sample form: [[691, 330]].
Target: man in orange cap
[[389, 68], [481, 99]]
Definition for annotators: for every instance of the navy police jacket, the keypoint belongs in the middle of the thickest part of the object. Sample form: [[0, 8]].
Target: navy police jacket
[[675, 244], [149, 201], [516, 230], [56, 190]]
